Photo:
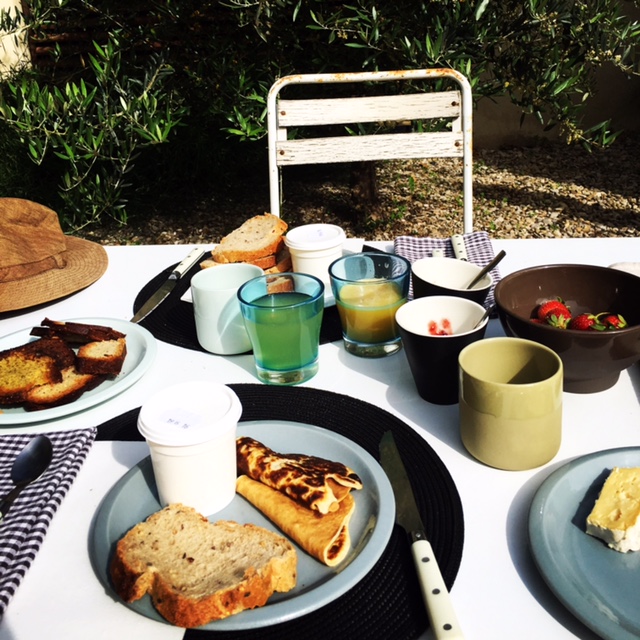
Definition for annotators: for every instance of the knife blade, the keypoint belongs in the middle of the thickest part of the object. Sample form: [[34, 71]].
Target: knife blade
[[167, 286], [437, 599]]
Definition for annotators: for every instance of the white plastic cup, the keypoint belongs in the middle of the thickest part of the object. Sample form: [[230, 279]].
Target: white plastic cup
[[191, 429], [313, 247], [219, 324]]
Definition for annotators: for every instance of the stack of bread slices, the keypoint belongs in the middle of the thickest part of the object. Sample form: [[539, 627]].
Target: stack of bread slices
[[258, 241], [48, 372]]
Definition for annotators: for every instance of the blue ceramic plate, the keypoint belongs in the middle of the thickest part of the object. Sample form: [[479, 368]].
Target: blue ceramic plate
[[598, 585], [141, 351], [133, 498]]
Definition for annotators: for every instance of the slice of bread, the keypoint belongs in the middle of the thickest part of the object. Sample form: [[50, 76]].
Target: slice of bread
[[258, 237], [196, 571], [105, 357], [54, 394], [20, 371], [75, 332]]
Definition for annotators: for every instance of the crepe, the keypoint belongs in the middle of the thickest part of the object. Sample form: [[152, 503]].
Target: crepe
[[314, 483], [325, 537]]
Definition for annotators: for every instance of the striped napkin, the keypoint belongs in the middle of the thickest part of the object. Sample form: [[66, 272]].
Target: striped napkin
[[23, 529], [477, 244]]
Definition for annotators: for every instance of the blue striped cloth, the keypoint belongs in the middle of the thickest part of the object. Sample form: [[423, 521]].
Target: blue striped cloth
[[23, 529]]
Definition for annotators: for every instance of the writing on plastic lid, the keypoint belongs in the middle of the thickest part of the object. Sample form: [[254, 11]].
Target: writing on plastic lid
[[189, 413], [314, 237]]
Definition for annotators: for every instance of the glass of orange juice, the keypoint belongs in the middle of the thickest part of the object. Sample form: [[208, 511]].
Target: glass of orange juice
[[368, 289]]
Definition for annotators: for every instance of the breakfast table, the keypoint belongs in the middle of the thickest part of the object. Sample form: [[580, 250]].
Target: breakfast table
[[497, 590]]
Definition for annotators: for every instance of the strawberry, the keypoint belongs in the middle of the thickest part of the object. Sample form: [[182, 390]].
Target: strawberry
[[583, 322], [554, 312], [609, 321]]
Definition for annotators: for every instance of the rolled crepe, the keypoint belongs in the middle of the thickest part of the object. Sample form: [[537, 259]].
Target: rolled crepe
[[314, 483], [325, 537]]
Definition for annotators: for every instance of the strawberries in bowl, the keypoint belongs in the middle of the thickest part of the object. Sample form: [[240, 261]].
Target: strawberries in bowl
[[600, 335]]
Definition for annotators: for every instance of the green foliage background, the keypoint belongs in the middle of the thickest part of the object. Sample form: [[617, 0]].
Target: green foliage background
[[132, 99]]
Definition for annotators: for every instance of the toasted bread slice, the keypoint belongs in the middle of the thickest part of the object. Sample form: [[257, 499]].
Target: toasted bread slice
[[75, 332], [54, 394], [196, 571], [105, 357], [258, 237]]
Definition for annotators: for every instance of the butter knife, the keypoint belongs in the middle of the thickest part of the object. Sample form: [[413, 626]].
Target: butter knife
[[437, 599], [168, 285]]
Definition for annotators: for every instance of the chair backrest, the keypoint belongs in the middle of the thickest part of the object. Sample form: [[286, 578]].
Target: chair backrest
[[453, 105]]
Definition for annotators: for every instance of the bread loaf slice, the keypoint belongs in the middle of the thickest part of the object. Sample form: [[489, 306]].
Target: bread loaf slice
[[105, 357], [258, 237], [20, 371], [54, 394], [196, 571]]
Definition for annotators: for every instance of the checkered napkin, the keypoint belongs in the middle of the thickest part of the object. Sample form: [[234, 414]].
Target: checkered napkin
[[477, 245], [24, 527]]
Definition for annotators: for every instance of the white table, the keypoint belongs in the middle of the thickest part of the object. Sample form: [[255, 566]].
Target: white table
[[498, 593]]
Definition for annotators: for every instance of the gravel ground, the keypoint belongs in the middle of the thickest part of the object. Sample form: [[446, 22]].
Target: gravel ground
[[546, 191]]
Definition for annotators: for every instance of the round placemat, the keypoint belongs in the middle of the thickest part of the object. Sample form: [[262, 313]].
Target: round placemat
[[386, 603], [172, 321]]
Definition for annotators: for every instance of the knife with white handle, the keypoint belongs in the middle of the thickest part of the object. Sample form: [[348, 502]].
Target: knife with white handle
[[437, 599], [167, 286]]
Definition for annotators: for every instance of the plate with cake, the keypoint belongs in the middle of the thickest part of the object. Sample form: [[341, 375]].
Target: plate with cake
[[580, 550], [65, 366], [319, 580]]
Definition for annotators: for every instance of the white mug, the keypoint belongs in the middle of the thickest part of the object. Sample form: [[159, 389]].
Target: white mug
[[219, 324]]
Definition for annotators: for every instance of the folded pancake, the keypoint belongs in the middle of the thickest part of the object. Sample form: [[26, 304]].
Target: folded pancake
[[314, 483], [326, 538]]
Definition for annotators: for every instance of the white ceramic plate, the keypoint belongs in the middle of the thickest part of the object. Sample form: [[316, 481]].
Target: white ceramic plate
[[598, 585], [141, 351], [133, 498]]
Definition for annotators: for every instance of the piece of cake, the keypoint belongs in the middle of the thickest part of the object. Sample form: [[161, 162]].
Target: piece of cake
[[615, 517]]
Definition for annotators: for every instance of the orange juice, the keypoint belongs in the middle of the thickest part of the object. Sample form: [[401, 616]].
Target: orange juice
[[367, 310]]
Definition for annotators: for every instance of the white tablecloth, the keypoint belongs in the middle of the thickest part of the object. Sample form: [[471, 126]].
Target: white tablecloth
[[498, 593]]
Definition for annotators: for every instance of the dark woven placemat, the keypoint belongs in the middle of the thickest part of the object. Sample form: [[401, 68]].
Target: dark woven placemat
[[173, 322], [386, 603]]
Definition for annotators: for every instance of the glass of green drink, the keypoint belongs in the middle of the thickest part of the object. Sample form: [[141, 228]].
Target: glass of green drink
[[282, 314]]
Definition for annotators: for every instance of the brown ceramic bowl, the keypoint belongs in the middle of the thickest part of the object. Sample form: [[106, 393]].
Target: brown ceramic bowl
[[592, 360]]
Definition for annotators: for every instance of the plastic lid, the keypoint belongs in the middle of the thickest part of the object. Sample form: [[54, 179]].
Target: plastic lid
[[189, 413], [315, 237]]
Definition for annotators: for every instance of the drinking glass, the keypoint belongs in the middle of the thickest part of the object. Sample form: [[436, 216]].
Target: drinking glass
[[282, 314], [369, 288]]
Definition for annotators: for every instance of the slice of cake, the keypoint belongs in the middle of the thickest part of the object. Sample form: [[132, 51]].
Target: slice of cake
[[615, 517]]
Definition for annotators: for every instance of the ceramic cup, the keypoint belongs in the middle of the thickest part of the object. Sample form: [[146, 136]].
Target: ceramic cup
[[191, 429], [448, 277], [368, 289], [434, 331], [219, 324], [510, 402], [283, 316], [314, 247]]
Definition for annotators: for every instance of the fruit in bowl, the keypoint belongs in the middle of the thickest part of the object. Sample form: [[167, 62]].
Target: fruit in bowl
[[592, 358]]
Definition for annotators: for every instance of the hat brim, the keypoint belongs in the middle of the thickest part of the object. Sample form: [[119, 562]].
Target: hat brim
[[86, 262]]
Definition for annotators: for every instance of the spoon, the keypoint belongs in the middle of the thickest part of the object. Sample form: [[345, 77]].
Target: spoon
[[28, 466], [486, 269], [485, 315]]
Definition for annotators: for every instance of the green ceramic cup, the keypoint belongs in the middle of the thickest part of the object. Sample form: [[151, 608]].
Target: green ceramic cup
[[510, 402]]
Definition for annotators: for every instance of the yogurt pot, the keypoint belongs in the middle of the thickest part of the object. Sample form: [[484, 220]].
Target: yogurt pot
[[313, 247], [191, 428]]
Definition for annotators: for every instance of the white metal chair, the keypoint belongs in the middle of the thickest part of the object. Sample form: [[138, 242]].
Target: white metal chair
[[453, 105]]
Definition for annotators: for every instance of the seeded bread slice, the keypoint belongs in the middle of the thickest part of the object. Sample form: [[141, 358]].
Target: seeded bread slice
[[196, 571], [20, 371], [258, 237]]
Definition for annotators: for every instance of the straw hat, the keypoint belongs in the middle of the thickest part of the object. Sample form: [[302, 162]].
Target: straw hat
[[38, 263]]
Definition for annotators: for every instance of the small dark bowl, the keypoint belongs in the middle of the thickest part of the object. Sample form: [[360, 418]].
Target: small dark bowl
[[592, 360]]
